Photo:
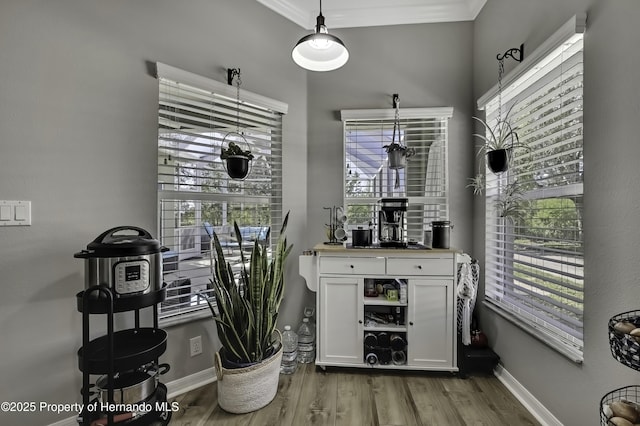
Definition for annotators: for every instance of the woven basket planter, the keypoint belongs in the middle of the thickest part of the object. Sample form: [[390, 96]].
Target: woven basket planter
[[624, 348], [242, 390]]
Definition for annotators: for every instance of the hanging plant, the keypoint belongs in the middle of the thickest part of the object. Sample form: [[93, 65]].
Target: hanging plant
[[501, 139], [397, 155], [237, 160], [499, 142]]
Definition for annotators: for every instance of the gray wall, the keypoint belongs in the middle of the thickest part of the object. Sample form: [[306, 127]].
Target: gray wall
[[78, 114], [77, 138], [428, 65], [612, 237]]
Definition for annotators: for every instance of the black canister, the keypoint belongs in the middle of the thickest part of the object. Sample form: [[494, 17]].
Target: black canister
[[361, 237], [441, 230]]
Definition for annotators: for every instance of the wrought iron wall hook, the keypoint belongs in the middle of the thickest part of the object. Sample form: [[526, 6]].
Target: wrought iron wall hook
[[231, 74], [396, 100], [511, 54]]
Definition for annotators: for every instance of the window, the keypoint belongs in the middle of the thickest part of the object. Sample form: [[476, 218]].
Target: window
[[196, 198], [535, 258], [424, 180]]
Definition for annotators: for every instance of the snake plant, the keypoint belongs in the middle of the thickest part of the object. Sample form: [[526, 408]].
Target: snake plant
[[246, 310]]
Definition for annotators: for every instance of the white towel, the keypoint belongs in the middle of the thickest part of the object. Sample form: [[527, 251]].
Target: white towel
[[466, 291]]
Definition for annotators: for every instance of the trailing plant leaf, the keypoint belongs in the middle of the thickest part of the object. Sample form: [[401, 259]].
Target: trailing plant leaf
[[477, 183], [511, 202]]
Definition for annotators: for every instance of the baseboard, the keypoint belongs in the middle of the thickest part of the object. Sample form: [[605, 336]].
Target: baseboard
[[174, 388], [191, 382], [535, 407]]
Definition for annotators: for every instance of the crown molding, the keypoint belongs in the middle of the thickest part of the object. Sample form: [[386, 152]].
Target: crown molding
[[365, 14], [292, 11]]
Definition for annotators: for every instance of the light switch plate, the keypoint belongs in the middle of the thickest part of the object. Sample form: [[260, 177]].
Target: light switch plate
[[15, 213], [5, 212]]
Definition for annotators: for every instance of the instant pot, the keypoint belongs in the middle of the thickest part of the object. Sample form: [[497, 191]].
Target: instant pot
[[126, 259]]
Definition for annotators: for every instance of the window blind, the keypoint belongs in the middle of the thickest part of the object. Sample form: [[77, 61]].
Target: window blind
[[535, 258], [196, 198], [424, 179]]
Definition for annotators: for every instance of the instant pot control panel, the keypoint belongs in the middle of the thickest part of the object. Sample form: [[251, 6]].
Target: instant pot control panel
[[131, 276]]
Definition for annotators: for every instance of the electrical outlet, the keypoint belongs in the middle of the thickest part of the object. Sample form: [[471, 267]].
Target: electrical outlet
[[195, 345]]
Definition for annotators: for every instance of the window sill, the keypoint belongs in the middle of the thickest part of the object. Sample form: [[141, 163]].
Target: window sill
[[179, 319], [563, 349]]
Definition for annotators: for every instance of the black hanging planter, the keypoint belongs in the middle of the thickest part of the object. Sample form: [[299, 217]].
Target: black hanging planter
[[237, 161], [498, 160], [238, 166]]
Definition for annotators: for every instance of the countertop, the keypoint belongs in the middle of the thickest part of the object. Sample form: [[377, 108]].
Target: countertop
[[339, 248]]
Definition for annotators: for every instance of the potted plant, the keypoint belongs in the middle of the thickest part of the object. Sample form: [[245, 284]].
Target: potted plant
[[397, 155], [245, 314], [499, 142], [237, 160]]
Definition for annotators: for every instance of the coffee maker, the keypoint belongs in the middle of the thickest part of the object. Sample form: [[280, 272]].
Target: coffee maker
[[391, 222]]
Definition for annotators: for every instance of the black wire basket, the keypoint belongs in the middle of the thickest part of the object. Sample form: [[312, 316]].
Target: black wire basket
[[628, 393], [625, 348]]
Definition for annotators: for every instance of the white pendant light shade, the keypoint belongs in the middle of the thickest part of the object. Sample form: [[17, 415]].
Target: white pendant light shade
[[320, 51]]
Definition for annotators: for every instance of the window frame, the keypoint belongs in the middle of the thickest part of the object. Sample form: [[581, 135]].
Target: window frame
[[417, 214], [541, 327], [201, 131]]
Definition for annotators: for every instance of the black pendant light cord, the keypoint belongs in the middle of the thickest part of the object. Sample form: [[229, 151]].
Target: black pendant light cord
[[319, 20]]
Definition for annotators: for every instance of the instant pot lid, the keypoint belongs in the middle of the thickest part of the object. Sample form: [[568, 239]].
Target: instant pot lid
[[122, 241]]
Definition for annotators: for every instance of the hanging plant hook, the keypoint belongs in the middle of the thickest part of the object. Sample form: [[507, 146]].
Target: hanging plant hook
[[231, 74], [511, 54]]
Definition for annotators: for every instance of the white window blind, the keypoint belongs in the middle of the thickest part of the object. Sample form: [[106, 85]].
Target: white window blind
[[424, 180], [196, 117], [535, 259]]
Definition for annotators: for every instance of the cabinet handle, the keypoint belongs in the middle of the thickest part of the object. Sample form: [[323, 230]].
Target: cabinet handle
[[351, 266], [419, 266], [359, 321], [410, 322]]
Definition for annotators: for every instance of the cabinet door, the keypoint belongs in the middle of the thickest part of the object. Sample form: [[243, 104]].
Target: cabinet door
[[340, 341], [430, 339]]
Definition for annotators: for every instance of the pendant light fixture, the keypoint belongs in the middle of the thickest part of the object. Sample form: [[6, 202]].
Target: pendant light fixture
[[320, 51]]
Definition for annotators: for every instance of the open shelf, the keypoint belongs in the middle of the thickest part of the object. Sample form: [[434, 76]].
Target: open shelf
[[99, 303], [390, 327], [381, 301], [131, 349]]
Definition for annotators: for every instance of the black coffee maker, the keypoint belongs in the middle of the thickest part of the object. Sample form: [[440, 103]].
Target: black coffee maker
[[391, 222]]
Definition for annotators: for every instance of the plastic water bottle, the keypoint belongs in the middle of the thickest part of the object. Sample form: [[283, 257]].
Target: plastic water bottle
[[289, 362], [306, 342]]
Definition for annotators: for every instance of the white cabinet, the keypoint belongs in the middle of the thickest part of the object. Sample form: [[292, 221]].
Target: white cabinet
[[418, 333], [431, 327], [340, 337]]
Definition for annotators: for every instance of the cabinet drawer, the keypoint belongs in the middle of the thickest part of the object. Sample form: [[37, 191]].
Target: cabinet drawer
[[419, 266], [352, 265]]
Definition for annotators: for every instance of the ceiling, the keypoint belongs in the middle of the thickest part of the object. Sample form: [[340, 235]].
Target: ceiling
[[366, 13]]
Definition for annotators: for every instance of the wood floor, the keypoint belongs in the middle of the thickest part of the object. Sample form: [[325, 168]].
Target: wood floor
[[353, 397]]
